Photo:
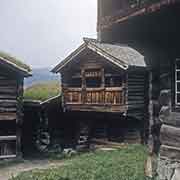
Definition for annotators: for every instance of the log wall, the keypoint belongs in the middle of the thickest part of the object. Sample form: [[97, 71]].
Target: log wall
[[11, 90], [137, 94]]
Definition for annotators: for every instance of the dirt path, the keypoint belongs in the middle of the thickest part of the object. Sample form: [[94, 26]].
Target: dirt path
[[27, 165]]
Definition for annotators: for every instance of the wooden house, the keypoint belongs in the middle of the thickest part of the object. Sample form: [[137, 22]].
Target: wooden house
[[152, 28], [12, 74], [104, 77]]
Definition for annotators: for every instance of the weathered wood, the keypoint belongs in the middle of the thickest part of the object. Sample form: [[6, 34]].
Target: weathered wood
[[7, 156], [7, 109], [168, 117], [122, 15], [170, 152], [7, 138], [170, 136], [19, 119], [8, 116]]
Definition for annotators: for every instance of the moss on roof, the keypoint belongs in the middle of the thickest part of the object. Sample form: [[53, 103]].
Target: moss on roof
[[7, 57]]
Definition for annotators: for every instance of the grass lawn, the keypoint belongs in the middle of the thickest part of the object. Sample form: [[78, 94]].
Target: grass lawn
[[122, 164]]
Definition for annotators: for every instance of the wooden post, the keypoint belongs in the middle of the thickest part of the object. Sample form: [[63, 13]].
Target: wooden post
[[19, 119], [102, 78], [83, 85], [100, 15], [63, 93], [150, 109]]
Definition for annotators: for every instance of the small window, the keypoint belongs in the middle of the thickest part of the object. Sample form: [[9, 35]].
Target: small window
[[177, 81], [93, 78]]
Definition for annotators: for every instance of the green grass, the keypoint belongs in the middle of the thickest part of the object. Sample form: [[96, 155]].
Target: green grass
[[42, 91], [123, 164], [15, 61]]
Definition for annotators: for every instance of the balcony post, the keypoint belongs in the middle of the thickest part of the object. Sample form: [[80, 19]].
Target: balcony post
[[83, 85]]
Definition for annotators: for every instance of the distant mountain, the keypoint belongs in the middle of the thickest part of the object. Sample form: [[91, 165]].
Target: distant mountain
[[40, 75]]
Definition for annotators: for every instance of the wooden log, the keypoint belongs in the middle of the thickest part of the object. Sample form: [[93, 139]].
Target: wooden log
[[7, 96], [7, 138], [8, 103], [8, 156], [7, 109], [19, 117], [8, 90], [7, 116], [136, 98], [170, 152], [168, 117], [170, 136], [165, 98]]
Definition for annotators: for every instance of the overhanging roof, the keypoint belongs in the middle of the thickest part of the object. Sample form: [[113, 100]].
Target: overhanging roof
[[122, 56], [14, 65], [124, 14]]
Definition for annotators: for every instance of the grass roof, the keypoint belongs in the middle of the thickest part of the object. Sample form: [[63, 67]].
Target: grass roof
[[7, 57]]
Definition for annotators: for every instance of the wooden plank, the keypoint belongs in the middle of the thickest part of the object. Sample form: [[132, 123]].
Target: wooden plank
[[8, 116], [8, 156], [170, 152], [5, 110], [7, 96], [170, 118], [7, 90], [170, 136], [7, 138], [132, 98]]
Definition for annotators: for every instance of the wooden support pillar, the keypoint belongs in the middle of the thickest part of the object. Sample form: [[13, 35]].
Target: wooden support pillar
[[102, 78], [83, 85], [100, 15], [19, 119]]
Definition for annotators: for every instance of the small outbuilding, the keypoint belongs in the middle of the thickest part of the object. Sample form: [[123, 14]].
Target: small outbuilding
[[12, 74], [104, 77], [105, 88]]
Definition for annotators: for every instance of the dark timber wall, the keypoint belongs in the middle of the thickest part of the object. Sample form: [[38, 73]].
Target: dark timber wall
[[11, 91]]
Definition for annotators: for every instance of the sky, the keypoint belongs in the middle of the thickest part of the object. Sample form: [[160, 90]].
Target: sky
[[43, 32]]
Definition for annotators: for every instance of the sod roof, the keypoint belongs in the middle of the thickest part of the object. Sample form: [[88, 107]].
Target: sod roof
[[14, 64]]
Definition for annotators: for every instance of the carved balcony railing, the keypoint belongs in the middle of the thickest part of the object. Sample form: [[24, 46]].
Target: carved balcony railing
[[95, 96], [132, 8]]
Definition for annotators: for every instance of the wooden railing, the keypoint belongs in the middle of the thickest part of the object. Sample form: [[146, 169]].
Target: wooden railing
[[96, 96]]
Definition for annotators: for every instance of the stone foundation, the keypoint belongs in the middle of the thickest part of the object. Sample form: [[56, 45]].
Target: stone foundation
[[168, 169]]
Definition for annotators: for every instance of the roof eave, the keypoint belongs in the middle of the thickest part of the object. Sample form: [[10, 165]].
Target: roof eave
[[107, 56], [23, 72], [63, 63]]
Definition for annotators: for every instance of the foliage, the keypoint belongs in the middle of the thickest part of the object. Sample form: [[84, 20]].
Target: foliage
[[15, 61], [42, 91], [123, 164]]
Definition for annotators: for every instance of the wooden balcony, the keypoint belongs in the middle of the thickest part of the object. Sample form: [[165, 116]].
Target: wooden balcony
[[133, 8], [95, 99]]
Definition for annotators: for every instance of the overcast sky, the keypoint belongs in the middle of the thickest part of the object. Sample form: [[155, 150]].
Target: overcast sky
[[43, 32]]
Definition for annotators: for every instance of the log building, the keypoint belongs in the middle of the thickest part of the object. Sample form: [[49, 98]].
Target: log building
[[152, 28], [104, 78], [12, 74]]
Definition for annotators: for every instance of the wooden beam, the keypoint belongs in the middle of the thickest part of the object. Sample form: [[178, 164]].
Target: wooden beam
[[8, 138], [170, 152], [102, 78], [170, 136], [83, 85], [8, 156]]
